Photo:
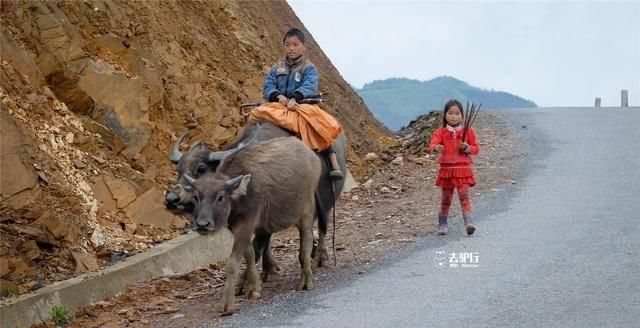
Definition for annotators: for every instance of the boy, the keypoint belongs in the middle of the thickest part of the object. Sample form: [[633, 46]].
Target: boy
[[289, 82]]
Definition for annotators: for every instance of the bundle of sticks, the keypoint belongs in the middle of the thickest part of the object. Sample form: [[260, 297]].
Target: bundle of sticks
[[469, 115]]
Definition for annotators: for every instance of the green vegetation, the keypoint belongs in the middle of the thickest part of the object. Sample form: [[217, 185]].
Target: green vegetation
[[397, 101], [12, 290], [60, 315]]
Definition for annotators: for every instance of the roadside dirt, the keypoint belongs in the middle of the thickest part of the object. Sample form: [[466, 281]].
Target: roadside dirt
[[394, 204]]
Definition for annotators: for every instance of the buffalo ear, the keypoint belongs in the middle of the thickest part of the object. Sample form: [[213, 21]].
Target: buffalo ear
[[238, 186]]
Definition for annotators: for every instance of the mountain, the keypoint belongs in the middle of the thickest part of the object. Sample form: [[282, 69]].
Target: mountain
[[396, 101]]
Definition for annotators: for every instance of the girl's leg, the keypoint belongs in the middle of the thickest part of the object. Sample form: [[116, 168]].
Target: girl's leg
[[445, 203], [465, 204]]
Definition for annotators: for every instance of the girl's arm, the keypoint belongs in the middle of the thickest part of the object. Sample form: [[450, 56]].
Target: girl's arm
[[436, 139], [473, 143]]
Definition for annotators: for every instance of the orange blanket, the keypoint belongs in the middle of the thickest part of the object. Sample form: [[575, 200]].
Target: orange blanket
[[315, 127]]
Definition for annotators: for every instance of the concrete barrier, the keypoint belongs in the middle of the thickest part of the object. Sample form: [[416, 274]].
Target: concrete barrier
[[181, 255], [624, 101]]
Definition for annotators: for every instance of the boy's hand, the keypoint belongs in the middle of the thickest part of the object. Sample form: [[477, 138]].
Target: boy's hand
[[464, 147], [292, 105], [439, 148], [283, 100]]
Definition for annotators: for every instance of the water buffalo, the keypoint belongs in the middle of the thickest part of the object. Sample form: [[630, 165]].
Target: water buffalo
[[260, 189], [197, 161]]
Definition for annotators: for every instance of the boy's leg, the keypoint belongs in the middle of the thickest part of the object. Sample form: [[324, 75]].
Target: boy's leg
[[465, 204], [445, 204], [335, 172]]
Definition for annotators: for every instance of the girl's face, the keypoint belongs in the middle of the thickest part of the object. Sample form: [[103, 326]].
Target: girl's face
[[453, 116], [293, 47]]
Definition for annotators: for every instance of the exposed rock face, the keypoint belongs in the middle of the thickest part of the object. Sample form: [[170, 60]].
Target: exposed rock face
[[93, 95]]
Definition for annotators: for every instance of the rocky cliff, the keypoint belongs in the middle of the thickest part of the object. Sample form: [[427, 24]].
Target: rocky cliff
[[94, 93]]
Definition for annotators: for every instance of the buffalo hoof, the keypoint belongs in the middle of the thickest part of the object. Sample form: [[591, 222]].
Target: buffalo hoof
[[321, 257], [251, 294], [226, 309], [306, 283], [270, 273], [241, 283]]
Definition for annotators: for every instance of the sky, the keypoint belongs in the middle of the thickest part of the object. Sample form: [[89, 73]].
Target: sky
[[555, 53]]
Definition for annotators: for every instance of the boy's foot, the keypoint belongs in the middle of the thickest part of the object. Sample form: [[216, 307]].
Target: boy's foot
[[336, 175], [443, 229], [470, 229]]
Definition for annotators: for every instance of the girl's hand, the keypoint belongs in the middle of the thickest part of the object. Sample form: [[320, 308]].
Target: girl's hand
[[464, 147], [282, 100], [292, 104], [439, 148]]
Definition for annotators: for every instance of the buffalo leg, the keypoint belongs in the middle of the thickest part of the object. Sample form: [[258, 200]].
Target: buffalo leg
[[251, 286], [320, 254], [227, 303], [306, 244], [269, 266]]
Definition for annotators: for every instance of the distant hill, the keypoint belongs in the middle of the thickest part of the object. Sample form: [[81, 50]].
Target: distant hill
[[397, 101]]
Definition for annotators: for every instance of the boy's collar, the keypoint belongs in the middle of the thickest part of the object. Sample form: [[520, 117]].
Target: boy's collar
[[295, 62]]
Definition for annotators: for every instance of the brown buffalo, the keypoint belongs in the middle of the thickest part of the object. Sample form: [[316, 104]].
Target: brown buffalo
[[261, 189]]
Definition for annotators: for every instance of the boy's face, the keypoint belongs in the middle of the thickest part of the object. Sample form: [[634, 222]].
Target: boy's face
[[293, 47]]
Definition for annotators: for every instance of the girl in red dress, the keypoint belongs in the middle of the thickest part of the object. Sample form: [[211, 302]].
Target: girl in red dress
[[455, 164]]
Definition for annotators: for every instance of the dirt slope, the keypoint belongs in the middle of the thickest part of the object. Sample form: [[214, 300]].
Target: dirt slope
[[94, 93]]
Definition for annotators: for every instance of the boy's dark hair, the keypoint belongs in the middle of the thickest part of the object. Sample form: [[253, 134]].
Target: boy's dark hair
[[294, 32], [448, 106]]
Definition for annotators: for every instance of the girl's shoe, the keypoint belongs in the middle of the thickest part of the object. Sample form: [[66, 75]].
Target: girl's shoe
[[470, 229], [443, 229]]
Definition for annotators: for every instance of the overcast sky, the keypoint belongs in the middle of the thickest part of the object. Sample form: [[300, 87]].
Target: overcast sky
[[556, 53]]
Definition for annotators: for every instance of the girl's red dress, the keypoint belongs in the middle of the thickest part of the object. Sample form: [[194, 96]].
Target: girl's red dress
[[455, 165]]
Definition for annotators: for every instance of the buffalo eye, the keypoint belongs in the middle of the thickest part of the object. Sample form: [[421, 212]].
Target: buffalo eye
[[201, 169], [220, 198]]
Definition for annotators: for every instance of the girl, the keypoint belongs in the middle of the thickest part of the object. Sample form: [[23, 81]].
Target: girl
[[455, 164]]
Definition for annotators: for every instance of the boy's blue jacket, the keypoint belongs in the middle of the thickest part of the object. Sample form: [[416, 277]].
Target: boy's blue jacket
[[299, 81]]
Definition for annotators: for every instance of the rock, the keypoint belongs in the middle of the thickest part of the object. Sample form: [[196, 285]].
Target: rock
[[4, 267], [99, 159], [148, 209], [130, 228], [79, 164], [17, 170], [20, 269], [385, 190], [54, 224], [355, 198], [84, 262], [420, 160], [121, 191], [368, 183], [30, 250], [98, 239], [69, 137], [103, 195], [349, 182], [397, 161], [370, 157]]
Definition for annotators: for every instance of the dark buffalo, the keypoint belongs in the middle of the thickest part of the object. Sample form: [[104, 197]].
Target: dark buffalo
[[199, 161], [260, 199]]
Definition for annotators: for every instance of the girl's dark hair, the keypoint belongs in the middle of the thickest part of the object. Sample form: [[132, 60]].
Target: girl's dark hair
[[448, 106], [294, 32]]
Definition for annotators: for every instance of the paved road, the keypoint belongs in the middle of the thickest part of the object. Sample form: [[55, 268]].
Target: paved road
[[561, 249]]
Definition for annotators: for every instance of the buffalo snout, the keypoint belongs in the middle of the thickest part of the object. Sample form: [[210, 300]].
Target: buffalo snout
[[172, 200]]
